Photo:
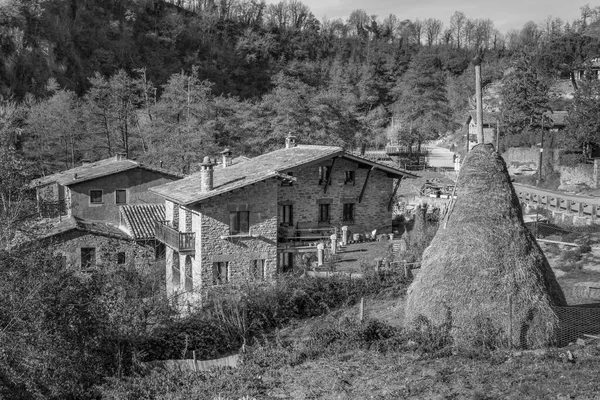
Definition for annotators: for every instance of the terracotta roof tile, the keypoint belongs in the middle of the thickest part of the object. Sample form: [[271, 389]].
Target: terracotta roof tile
[[140, 219]]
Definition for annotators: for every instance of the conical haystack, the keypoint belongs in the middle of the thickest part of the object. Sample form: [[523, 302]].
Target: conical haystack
[[483, 256]]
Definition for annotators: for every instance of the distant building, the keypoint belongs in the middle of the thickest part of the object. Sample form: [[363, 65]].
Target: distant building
[[589, 69], [557, 123], [490, 120], [250, 220]]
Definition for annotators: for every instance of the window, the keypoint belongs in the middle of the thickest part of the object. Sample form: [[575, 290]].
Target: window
[[348, 215], [121, 258], [288, 182], [324, 172], [220, 272], [257, 269], [349, 180], [175, 271], [239, 222], [121, 196], [189, 280], [287, 215], [160, 251], [188, 221], [96, 196], [88, 257], [175, 216], [324, 213]]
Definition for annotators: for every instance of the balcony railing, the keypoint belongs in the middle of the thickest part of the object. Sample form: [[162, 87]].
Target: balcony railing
[[183, 242]]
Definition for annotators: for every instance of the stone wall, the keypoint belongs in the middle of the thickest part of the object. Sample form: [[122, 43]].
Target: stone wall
[[136, 181], [217, 246], [572, 177], [48, 193], [107, 248], [530, 156], [306, 193]]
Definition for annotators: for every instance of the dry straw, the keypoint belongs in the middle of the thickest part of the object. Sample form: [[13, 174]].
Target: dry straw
[[484, 256]]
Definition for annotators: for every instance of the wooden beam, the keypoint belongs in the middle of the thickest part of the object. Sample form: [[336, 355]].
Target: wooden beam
[[394, 194], [329, 176], [362, 192]]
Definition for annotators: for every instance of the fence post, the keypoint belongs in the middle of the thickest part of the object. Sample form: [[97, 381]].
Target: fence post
[[361, 312], [594, 212], [510, 321], [195, 361]]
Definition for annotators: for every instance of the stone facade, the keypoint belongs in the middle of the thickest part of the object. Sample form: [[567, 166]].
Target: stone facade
[[306, 193], [107, 249], [214, 244], [135, 182]]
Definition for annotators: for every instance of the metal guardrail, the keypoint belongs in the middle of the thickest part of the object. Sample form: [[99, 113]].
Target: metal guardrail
[[183, 242]]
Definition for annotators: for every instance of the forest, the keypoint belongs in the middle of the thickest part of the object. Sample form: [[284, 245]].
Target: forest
[[172, 81]]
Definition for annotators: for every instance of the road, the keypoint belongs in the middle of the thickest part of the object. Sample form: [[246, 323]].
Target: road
[[439, 157]]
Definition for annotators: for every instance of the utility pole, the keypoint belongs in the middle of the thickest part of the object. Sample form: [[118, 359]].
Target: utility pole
[[498, 135], [541, 153], [478, 97]]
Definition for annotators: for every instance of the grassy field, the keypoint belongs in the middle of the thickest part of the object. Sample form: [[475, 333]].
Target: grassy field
[[335, 356]]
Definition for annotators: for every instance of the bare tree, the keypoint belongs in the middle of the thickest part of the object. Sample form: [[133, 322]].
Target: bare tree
[[457, 25], [417, 30], [433, 29]]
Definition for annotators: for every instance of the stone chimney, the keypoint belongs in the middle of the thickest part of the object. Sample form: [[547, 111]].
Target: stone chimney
[[226, 158], [120, 156], [206, 175], [290, 141], [85, 161]]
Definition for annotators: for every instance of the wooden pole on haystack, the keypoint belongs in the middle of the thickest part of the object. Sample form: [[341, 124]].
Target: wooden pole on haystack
[[478, 96]]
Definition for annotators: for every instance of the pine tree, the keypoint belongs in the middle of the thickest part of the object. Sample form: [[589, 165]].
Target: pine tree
[[524, 98], [422, 104], [583, 123]]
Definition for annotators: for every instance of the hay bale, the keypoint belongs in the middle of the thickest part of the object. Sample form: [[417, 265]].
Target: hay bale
[[481, 254]]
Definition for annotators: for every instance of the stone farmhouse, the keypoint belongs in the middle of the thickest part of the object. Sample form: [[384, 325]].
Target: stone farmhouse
[[233, 222], [101, 211]]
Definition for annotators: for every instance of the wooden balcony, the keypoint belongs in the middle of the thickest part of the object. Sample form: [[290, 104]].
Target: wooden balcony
[[182, 242]]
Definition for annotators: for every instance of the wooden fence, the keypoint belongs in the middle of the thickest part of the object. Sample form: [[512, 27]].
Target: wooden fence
[[193, 365]]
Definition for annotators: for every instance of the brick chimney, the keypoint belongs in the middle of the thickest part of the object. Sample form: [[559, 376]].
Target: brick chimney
[[206, 175], [226, 158], [290, 141]]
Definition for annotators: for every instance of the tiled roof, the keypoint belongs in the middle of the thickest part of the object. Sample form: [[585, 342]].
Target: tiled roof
[[239, 159], [95, 170], [270, 165], [140, 219], [48, 228]]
